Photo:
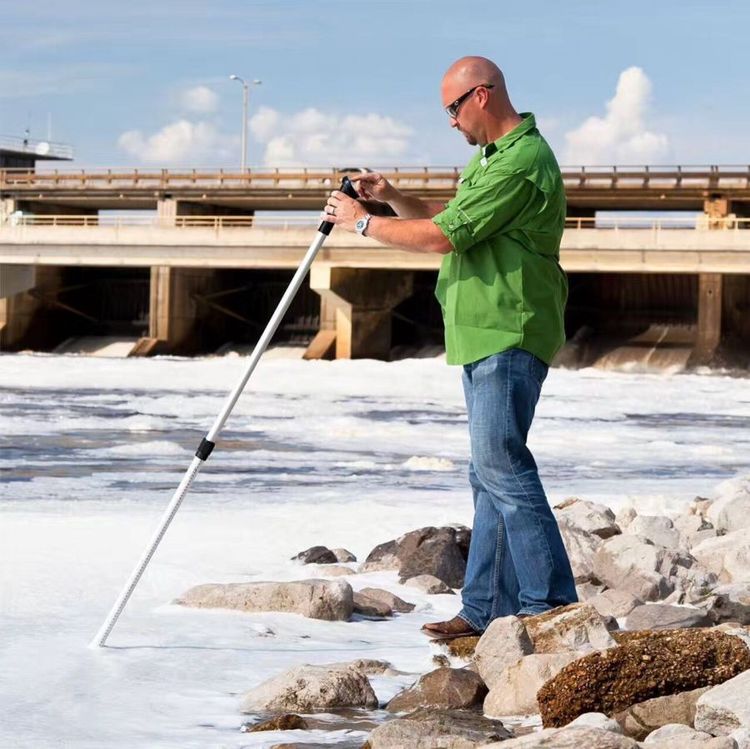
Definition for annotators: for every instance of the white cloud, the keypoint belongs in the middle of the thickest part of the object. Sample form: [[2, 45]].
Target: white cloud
[[180, 142], [621, 136], [313, 138], [200, 99]]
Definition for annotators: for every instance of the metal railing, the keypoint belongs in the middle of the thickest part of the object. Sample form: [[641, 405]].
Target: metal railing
[[39, 148], [700, 222], [709, 177]]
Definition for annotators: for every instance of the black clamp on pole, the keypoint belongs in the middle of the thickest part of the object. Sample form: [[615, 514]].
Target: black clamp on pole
[[347, 187]]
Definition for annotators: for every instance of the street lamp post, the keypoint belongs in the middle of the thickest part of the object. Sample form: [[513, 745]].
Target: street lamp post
[[245, 102]]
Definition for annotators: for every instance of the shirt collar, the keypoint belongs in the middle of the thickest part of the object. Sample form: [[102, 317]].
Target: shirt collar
[[527, 125]]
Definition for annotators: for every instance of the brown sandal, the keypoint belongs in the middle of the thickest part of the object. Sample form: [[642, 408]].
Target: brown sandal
[[450, 630]]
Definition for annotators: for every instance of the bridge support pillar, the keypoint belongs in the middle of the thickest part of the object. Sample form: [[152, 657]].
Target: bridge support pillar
[[708, 337], [363, 300], [7, 206], [174, 314]]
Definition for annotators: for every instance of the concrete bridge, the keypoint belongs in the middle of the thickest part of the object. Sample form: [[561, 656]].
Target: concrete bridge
[[693, 273]]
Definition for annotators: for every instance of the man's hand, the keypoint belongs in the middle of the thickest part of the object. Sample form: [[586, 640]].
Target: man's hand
[[374, 186], [343, 211]]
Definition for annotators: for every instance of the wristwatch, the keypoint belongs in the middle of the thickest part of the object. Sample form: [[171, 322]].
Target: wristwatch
[[361, 226]]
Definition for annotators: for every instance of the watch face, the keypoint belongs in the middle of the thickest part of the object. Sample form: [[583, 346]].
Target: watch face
[[360, 225]]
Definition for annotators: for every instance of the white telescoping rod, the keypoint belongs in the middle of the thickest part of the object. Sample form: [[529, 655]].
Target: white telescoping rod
[[208, 442]]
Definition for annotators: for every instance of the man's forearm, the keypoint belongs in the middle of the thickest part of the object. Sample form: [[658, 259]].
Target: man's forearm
[[412, 235], [407, 206]]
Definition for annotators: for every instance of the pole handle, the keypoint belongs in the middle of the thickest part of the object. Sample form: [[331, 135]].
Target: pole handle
[[347, 187]]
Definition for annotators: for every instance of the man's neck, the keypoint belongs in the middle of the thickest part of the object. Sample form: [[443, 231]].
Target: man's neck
[[502, 126]]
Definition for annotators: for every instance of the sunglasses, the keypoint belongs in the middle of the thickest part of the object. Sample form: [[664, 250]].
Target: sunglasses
[[452, 109]]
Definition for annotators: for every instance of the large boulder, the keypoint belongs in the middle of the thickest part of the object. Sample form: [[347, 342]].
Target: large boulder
[[590, 517], [581, 547], [613, 602], [726, 707], [658, 529], [574, 737], [577, 628], [330, 600], [639, 720], [636, 566], [429, 584], [693, 529], [729, 603], [446, 729], [440, 552], [445, 689], [645, 665], [731, 510], [727, 556], [664, 616], [316, 555], [502, 644], [677, 736], [311, 689], [516, 687], [391, 600]]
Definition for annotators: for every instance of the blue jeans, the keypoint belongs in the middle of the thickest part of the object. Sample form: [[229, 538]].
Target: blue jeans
[[517, 561]]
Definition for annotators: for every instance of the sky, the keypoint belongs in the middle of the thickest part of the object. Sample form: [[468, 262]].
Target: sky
[[146, 84]]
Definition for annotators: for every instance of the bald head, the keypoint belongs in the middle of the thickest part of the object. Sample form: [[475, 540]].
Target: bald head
[[471, 71]]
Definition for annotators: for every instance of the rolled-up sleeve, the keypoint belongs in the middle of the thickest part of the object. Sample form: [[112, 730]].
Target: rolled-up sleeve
[[489, 206]]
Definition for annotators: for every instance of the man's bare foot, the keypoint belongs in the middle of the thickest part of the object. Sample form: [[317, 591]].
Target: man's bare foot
[[450, 630]]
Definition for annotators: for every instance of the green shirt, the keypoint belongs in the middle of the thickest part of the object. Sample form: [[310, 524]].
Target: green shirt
[[502, 286]]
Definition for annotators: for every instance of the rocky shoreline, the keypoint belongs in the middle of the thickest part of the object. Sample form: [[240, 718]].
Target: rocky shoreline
[[655, 654]]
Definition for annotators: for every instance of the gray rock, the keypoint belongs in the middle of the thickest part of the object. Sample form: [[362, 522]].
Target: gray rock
[[444, 689], [741, 737], [503, 643], [731, 511], [382, 557], [628, 563], [700, 506], [438, 555], [677, 736], [515, 688], [316, 555], [658, 529], [588, 591], [729, 603], [616, 603], [590, 517], [726, 707], [334, 570], [664, 616], [330, 600], [397, 604], [693, 529], [433, 729], [428, 584], [581, 547], [596, 720], [727, 556], [577, 628], [312, 689], [624, 516], [344, 555], [639, 720], [577, 737], [364, 605]]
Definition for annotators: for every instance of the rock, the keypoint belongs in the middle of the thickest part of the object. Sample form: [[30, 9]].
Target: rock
[[693, 529], [731, 511], [439, 556], [625, 516], [370, 666], [587, 591], [741, 737], [330, 600], [428, 584], [726, 707], [645, 665], [334, 570], [285, 722], [501, 645], [639, 720], [343, 555], [440, 552], [628, 563], [700, 506], [312, 689], [590, 517], [663, 616], [727, 556], [729, 603], [658, 529], [692, 584], [385, 596], [316, 555], [577, 628], [613, 602], [676, 736], [462, 647], [515, 689], [444, 689], [577, 737], [447, 729], [581, 547], [364, 605], [596, 720]]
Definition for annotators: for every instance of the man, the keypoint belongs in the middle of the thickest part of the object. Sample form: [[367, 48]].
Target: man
[[503, 296]]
